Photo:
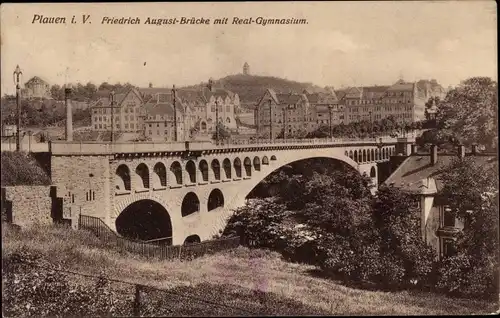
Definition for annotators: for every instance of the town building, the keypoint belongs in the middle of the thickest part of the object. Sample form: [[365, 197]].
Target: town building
[[36, 88], [418, 174], [127, 110], [198, 106], [404, 101], [296, 113], [159, 120]]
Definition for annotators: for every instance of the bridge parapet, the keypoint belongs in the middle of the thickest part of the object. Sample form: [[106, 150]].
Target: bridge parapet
[[106, 148]]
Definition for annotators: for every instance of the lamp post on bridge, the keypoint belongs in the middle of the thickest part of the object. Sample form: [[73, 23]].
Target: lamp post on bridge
[[17, 74], [270, 121], [175, 112], [112, 98]]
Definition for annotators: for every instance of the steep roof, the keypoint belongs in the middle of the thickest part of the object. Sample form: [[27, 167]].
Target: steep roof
[[36, 79], [105, 101], [417, 174], [401, 86]]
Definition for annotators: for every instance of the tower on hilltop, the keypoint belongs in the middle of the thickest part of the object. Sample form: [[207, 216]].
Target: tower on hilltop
[[246, 69]]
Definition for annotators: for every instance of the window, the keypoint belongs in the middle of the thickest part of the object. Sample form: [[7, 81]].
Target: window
[[117, 125], [448, 217]]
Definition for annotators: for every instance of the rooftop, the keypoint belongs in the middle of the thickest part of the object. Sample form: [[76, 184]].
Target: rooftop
[[417, 174]]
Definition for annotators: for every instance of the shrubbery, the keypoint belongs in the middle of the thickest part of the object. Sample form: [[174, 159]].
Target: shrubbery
[[20, 168], [331, 220]]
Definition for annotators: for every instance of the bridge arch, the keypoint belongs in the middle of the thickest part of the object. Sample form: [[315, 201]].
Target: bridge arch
[[190, 204], [215, 200], [144, 219], [216, 169], [226, 164], [142, 172], [356, 156], [237, 167], [256, 163], [350, 154], [373, 172], [307, 154], [191, 170], [122, 178], [248, 166], [273, 157], [203, 169], [372, 151], [192, 239], [176, 170], [265, 160], [160, 175], [364, 155]]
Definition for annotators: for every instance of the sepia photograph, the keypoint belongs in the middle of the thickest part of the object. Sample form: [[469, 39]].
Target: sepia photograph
[[260, 158]]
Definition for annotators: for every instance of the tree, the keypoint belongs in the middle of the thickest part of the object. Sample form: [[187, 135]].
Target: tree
[[469, 111], [224, 133], [471, 191]]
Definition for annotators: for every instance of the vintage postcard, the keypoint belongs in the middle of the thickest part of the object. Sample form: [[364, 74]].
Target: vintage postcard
[[249, 158]]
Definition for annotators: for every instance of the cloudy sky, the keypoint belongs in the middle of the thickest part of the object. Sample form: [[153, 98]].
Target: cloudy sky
[[344, 43]]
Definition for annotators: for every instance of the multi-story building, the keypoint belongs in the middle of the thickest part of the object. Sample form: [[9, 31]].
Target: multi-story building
[[275, 113], [127, 111], [36, 88], [295, 113], [159, 120], [403, 100], [199, 106]]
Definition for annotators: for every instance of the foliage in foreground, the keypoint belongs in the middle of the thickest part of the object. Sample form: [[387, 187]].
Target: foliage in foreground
[[20, 168], [30, 291], [331, 220]]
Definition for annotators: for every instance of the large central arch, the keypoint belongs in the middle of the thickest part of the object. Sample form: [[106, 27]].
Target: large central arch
[[144, 220]]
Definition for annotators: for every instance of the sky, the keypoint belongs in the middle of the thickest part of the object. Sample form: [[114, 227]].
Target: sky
[[342, 44]]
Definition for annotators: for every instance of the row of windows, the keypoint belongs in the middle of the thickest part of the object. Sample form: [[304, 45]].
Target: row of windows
[[117, 119], [228, 108], [378, 101], [104, 126], [380, 108], [104, 111]]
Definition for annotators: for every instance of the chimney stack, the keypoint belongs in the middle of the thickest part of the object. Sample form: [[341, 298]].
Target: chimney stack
[[461, 151], [434, 154], [69, 114], [474, 149], [413, 149]]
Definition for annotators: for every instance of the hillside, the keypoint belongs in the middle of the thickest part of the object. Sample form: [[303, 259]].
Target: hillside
[[256, 280], [250, 88]]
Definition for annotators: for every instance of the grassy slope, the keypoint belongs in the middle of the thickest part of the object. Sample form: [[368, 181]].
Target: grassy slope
[[241, 268]]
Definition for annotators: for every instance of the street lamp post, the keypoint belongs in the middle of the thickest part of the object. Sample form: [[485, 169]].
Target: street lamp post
[[112, 98], [17, 74], [175, 113], [270, 121]]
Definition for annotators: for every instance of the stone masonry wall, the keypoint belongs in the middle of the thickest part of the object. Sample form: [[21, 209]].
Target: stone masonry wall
[[30, 204], [83, 183]]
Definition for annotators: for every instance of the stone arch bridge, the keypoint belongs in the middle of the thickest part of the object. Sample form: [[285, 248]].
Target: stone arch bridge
[[187, 189]]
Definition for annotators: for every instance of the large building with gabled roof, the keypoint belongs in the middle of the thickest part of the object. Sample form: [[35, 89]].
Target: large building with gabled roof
[[36, 87], [127, 111]]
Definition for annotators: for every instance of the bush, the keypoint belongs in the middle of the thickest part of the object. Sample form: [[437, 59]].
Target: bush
[[20, 168]]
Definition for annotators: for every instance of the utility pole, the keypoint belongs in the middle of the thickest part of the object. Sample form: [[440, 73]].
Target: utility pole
[[270, 121], [210, 87], [175, 113], [17, 74], [112, 97], [330, 111], [371, 123], [285, 108]]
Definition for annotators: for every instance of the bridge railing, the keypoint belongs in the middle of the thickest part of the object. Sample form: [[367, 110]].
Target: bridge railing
[[62, 147], [159, 248]]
